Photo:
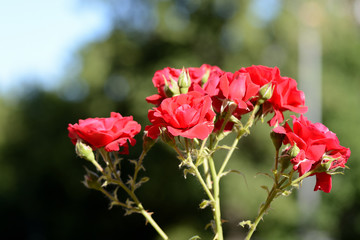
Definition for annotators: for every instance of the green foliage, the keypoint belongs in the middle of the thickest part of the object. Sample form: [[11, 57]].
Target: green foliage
[[40, 176]]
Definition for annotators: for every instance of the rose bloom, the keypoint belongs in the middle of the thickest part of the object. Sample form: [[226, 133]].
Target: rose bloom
[[318, 145], [285, 96], [188, 115], [236, 87], [168, 74], [108, 133]]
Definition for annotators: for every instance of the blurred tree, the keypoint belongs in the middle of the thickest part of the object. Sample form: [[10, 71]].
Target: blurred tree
[[41, 196]]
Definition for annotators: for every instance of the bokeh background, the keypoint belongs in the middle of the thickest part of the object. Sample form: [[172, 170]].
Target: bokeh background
[[41, 194]]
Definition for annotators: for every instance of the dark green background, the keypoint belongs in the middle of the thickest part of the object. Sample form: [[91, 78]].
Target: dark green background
[[41, 195]]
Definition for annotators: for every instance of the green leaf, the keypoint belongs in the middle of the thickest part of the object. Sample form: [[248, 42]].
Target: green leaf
[[205, 203], [130, 182], [133, 162], [266, 174], [266, 188], [246, 223], [195, 238], [143, 180], [224, 147], [286, 193], [189, 170]]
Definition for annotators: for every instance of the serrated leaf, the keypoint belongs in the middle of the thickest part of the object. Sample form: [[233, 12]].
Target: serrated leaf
[[128, 212], [143, 180], [286, 193], [266, 174], [224, 147], [129, 203], [117, 161], [246, 223], [266, 188], [105, 184], [211, 224], [231, 171], [130, 182], [195, 238], [188, 170], [205, 203]]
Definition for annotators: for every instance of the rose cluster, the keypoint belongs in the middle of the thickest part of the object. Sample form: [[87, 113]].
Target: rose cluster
[[316, 147], [196, 102], [209, 89]]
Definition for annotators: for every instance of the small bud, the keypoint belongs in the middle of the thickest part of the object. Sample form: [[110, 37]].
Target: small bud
[[326, 164], [84, 151], [171, 90], [166, 137], [184, 81], [266, 92], [147, 142], [91, 180], [205, 78], [293, 151], [277, 139]]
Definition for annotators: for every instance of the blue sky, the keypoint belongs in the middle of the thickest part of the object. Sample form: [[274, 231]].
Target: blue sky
[[38, 38]]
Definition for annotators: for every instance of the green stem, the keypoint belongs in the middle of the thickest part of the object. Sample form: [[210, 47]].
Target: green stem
[[202, 182], [262, 211], [137, 169], [216, 209], [244, 130], [264, 207], [276, 165], [277, 188], [205, 164], [152, 222], [190, 164], [112, 198], [131, 193], [299, 179], [139, 209], [228, 156]]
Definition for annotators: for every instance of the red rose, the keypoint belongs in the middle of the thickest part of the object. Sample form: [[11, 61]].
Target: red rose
[[238, 88], [285, 95], [318, 146], [110, 133], [171, 75], [167, 74], [197, 74], [187, 115]]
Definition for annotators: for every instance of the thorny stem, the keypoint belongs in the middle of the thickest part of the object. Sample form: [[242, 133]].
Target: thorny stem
[[275, 191], [262, 211], [139, 208], [276, 165], [205, 164], [216, 207], [217, 175], [190, 164], [137, 169], [244, 130]]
